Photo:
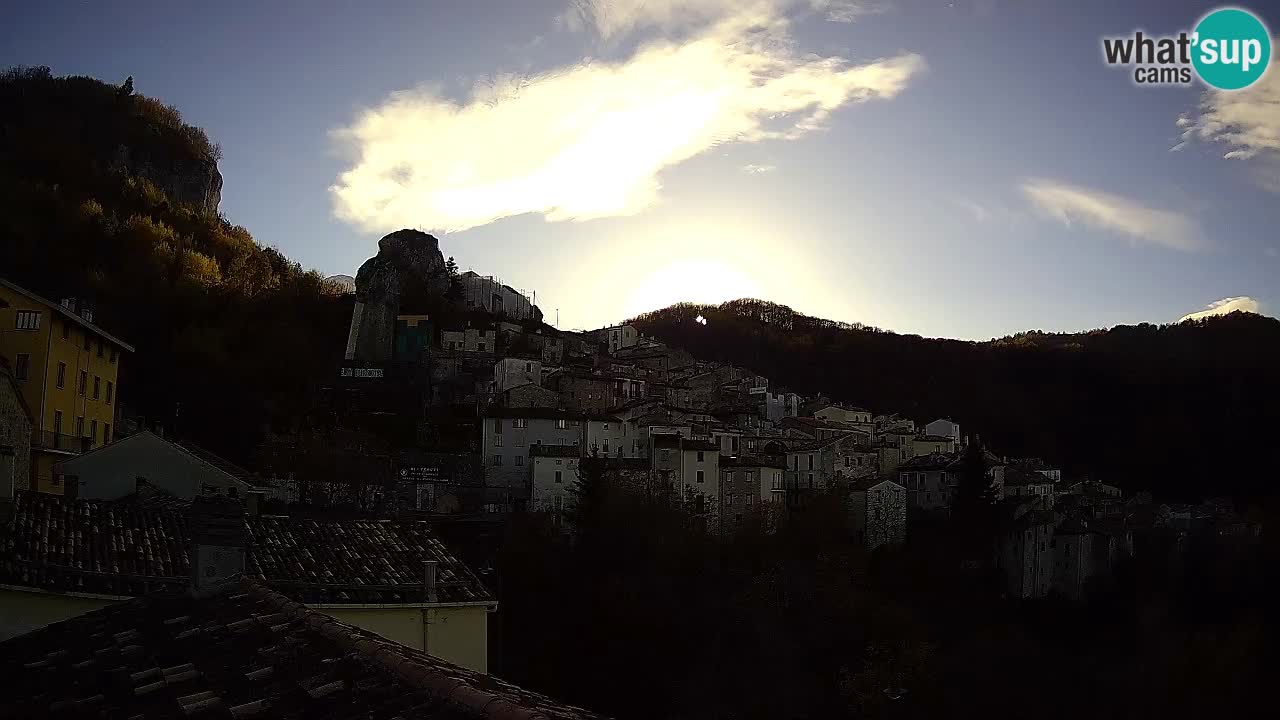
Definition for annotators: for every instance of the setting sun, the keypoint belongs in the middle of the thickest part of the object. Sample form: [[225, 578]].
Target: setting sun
[[700, 281]]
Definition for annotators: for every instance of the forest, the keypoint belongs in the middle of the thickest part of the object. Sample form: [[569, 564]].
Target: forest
[[1181, 410], [231, 336]]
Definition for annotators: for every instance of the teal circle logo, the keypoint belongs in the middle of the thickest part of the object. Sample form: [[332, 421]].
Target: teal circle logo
[[1231, 49]]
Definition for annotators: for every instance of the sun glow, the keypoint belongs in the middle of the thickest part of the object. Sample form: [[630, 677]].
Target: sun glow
[[699, 281]]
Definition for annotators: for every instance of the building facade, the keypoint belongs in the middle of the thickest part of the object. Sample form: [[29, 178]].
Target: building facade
[[878, 512], [67, 370]]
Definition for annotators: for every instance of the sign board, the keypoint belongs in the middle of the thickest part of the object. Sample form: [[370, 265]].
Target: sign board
[[347, 372], [422, 474]]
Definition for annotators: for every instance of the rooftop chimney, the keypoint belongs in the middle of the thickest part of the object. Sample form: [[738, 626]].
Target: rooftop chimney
[[217, 541], [429, 580]]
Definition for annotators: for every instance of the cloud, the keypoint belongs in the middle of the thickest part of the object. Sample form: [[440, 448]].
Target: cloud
[[615, 18], [754, 169], [1222, 307], [591, 140], [1246, 122], [978, 211], [1104, 211]]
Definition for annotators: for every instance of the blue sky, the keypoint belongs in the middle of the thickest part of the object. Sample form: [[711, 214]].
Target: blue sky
[[962, 169]]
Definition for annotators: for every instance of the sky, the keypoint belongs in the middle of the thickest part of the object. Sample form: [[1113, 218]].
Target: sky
[[965, 169]]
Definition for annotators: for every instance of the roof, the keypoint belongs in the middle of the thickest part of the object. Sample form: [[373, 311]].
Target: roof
[[751, 461], [932, 461], [217, 461], [201, 457], [555, 451], [866, 483], [542, 413], [1021, 476], [66, 314], [126, 549], [241, 652], [936, 438], [703, 445]]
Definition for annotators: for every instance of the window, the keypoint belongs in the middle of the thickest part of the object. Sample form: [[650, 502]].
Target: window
[[480, 347], [62, 374], [93, 430], [497, 441], [84, 382], [112, 355], [519, 461], [810, 461], [497, 460], [27, 320], [22, 367], [728, 499], [700, 476], [80, 426], [606, 426], [66, 330], [606, 447], [810, 481], [700, 459], [734, 440], [110, 388], [97, 387], [106, 433], [99, 348], [520, 423], [559, 477], [562, 424], [497, 425], [528, 367], [88, 342], [57, 422]]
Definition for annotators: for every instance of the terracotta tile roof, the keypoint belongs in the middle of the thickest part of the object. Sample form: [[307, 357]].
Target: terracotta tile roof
[[325, 561], [243, 652], [116, 548]]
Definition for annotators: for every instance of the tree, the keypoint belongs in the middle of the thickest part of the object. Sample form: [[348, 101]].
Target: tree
[[126, 90], [974, 506], [455, 291]]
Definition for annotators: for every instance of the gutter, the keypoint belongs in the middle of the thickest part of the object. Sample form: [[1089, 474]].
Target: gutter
[[59, 593], [492, 605]]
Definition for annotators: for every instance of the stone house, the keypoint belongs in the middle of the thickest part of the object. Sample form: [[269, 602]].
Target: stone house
[[877, 512]]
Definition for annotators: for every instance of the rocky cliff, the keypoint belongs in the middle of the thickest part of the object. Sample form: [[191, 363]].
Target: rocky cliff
[[407, 269], [193, 181]]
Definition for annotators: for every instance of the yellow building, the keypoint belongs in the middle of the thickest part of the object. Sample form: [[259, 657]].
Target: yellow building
[[68, 371]]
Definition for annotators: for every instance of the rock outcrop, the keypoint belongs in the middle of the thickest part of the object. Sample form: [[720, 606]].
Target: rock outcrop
[[408, 268], [194, 182]]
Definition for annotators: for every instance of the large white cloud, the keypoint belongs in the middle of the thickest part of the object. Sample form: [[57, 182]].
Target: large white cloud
[[591, 140], [1246, 122], [1105, 211], [1223, 307]]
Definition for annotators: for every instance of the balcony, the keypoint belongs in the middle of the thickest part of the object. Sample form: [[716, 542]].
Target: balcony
[[49, 440]]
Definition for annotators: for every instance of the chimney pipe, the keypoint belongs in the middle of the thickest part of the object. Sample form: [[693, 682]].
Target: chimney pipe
[[217, 541], [429, 580]]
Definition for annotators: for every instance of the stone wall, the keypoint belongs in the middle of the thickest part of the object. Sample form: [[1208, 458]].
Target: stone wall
[[15, 429]]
